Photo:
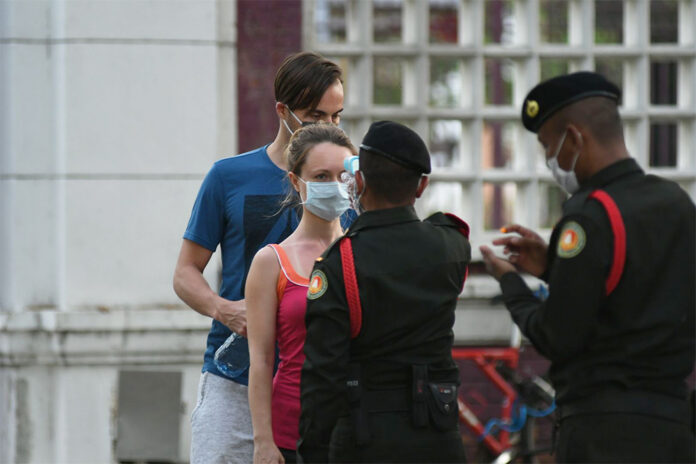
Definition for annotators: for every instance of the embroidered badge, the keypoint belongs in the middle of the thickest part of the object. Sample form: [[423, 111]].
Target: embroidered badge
[[532, 108], [572, 240], [317, 285]]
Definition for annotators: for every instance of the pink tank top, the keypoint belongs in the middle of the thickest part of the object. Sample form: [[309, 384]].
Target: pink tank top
[[290, 334]]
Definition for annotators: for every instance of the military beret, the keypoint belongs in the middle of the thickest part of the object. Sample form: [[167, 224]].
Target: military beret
[[397, 143], [551, 95]]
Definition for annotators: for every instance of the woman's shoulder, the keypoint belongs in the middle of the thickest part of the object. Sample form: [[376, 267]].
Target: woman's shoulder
[[266, 258], [301, 249], [300, 255]]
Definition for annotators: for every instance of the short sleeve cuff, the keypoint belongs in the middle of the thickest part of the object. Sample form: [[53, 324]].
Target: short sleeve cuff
[[207, 244]]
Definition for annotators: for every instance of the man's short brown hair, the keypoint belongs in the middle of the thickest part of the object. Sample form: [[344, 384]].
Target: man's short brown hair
[[303, 78]]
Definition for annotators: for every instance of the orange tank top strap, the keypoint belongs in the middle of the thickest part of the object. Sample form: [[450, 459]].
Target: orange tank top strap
[[287, 272]]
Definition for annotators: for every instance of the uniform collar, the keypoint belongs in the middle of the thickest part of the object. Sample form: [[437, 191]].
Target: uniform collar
[[611, 173], [383, 217]]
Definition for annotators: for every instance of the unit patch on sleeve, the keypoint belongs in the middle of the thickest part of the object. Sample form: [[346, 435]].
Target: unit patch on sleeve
[[571, 241], [317, 285]]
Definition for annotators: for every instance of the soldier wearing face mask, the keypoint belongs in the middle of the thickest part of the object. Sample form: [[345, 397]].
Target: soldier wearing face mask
[[618, 325]]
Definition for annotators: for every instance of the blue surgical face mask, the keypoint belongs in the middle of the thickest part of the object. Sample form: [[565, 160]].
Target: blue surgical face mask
[[566, 179], [302, 123], [328, 200]]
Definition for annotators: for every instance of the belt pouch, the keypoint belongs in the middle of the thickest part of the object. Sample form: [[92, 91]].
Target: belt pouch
[[358, 412], [420, 393], [442, 404]]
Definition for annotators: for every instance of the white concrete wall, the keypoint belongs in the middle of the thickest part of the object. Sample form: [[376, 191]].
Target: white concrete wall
[[111, 112], [59, 383], [110, 118]]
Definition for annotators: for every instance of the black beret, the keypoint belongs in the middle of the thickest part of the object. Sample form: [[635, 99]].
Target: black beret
[[550, 96], [399, 144]]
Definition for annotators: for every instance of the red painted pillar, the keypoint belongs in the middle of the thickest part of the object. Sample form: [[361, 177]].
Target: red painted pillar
[[267, 32]]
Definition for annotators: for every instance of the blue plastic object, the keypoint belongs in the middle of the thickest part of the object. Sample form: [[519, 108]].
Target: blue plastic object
[[232, 358], [351, 164], [518, 419]]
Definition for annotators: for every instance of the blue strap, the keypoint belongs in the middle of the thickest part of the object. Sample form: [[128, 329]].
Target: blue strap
[[519, 418]]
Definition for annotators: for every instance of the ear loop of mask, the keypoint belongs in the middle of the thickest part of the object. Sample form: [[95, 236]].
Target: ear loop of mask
[[299, 192], [357, 196], [301, 122], [287, 126]]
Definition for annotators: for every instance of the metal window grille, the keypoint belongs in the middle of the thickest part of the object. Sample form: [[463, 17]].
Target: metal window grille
[[456, 71]]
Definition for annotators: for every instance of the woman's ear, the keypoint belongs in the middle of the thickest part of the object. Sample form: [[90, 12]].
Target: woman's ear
[[294, 180]]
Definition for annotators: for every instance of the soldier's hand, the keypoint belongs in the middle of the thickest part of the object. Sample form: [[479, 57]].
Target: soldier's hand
[[527, 250], [495, 266], [232, 314]]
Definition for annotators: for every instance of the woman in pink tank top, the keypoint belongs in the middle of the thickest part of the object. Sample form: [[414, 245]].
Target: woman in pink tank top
[[277, 284]]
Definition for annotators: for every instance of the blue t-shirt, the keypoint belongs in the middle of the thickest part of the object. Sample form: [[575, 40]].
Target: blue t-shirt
[[239, 208]]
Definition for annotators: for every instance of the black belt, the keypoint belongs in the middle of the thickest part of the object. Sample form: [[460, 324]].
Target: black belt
[[629, 402], [387, 400]]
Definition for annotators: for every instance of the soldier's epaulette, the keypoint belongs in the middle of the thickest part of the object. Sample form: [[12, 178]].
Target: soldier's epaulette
[[329, 248], [449, 220], [582, 204]]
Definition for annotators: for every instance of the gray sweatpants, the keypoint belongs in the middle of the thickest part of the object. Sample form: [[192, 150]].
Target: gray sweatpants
[[221, 431]]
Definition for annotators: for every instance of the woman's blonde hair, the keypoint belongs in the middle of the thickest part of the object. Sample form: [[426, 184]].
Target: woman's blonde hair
[[307, 137]]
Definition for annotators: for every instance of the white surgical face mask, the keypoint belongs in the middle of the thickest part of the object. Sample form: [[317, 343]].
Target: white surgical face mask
[[302, 123], [566, 179], [328, 200]]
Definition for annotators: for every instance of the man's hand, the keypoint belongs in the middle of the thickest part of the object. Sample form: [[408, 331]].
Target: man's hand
[[232, 314], [495, 266], [527, 251], [193, 289]]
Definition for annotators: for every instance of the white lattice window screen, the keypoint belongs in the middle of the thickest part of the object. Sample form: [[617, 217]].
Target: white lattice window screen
[[456, 71]]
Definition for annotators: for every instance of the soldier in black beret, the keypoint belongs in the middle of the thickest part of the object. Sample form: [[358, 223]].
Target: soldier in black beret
[[618, 325], [399, 144], [379, 383]]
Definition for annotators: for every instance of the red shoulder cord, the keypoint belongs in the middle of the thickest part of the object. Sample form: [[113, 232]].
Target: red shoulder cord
[[619, 231], [463, 229], [351, 283]]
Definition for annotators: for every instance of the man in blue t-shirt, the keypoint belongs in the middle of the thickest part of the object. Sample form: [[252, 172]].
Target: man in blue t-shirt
[[239, 207]]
